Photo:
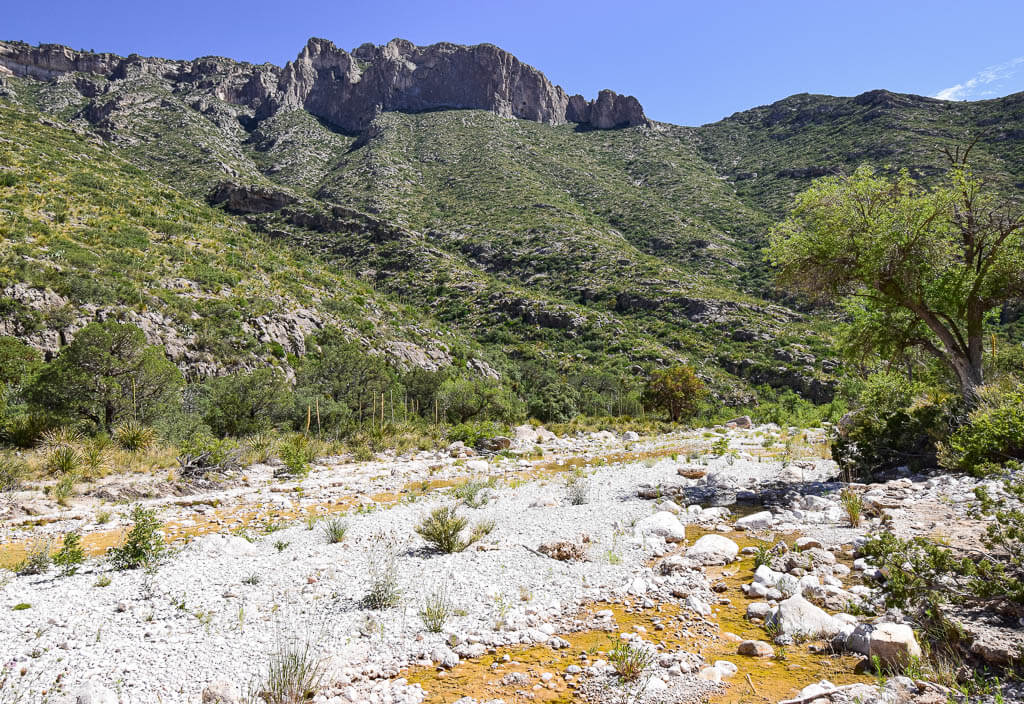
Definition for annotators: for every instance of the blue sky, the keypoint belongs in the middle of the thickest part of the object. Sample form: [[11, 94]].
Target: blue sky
[[688, 62]]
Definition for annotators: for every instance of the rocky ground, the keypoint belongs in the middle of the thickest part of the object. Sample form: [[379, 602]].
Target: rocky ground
[[633, 546]]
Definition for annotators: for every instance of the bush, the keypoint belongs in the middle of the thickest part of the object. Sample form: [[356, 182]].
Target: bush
[[384, 592], [133, 436], [70, 555], [143, 546], [247, 403], [296, 453], [37, 559], [630, 662], [906, 437], [577, 490], [471, 433], [992, 435], [443, 530], [853, 504], [473, 492], [64, 460]]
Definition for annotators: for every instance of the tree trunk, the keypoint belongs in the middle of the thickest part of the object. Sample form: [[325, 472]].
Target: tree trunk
[[969, 374]]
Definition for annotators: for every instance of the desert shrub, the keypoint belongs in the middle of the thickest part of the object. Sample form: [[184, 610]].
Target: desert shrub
[[261, 447], [630, 662], [992, 435], [906, 437], [472, 432], [479, 398], [64, 460], [296, 453], [473, 492], [555, 403], [202, 453], [383, 591], [61, 436], [70, 555], [133, 436], [437, 609], [64, 488], [577, 490], [37, 558], [442, 529], [143, 545], [335, 530], [94, 456]]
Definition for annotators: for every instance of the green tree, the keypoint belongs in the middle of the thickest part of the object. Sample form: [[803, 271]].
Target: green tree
[[108, 374], [677, 390], [246, 402], [916, 268], [462, 399]]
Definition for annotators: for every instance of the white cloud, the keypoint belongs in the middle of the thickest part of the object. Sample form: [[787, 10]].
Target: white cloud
[[983, 83]]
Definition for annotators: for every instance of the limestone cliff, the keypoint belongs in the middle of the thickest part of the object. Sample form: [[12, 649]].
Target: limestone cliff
[[348, 89]]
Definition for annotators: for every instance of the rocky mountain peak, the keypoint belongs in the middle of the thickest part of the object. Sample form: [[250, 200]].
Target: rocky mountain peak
[[349, 89]]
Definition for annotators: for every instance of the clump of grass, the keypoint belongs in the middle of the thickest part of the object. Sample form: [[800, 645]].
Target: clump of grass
[[103, 581], [94, 457], [853, 504], [143, 546], [63, 436], [762, 555], [103, 517], [437, 609], [293, 675], [63, 460], [252, 579], [261, 447], [335, 530], [281, 545], [134, 436], [629, 661], [37, 559], [70, 555], [64, 488], [12, 472]]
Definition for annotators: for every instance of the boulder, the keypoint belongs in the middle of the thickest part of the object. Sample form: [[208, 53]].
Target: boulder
[[741, 422], [756, 649], [761, 520], [893, 643], [630, 436], [663, 524], [495, 444], [797, 617], [94, 693], [445, 657], [713, 550]]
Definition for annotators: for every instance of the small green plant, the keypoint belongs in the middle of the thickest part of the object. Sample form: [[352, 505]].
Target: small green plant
[[261, 447], [720, 446], [384, 592], [312, 521], [103, 517], [21, 607], [473, 492], [64, 489], [630, 662], [436, 610], [12, 472], [71, 554], [134, 436], [143, 546], [296, 453], [252, 579], [281, 545], [853, 504], [37, 558], [443, 528], [102, 581], [63, 460], [762, 555], [577, 490], [335, 530], [293, 675]]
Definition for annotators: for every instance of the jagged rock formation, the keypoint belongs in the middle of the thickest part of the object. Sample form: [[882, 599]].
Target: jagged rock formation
[[345, 89]]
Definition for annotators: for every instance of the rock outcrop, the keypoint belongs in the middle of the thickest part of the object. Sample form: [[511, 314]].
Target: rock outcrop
[[344, 89]]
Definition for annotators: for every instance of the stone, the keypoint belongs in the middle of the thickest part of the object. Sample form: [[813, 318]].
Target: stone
[[728, 669], [564, 551], [806, 543], [711, 674], [894, 643], [796, 616], [761, 520], [740, 422], [758, 609], [756, 649], [94, 693], [221, 692], [697, 605], [445, 657], [495, 444], [630, 436], [663, 524], [713, 550]]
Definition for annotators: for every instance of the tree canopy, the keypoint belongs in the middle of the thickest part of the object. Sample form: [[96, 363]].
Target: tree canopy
[[677, 390], [915, 267]]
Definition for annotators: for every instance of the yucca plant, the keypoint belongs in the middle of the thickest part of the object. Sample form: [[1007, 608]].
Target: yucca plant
[[261, 447], [64, 460], [63, 436], [134, 436]]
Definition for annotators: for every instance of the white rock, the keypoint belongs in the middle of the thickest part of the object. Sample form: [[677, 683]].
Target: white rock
[[756, 521], [727, 668], [697, 605], [221, 692], [797, 616], [478, 465], [662, 524], [893, 643], [713, 550], [93, 693]]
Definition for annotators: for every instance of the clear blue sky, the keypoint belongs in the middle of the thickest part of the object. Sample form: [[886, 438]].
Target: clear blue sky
[[688, 62]]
